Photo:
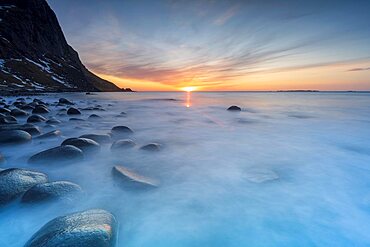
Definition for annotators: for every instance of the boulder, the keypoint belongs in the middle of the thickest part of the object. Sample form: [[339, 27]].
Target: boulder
[[94, 116], [5, 110], [35, 119], [122, 145], [131, 180], [65, 101], [18, 113], [121, 131], [53, 133], [99, 138], [40, 109], [29, 128], [93, 228], [86, 145], [51, 191], [234, 108], [8, 120], [151, 147], [14, 137], [73, 111], [65, 153], [14, 182], [53, 120]]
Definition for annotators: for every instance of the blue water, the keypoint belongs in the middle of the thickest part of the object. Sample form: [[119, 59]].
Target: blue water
[[291, 169]]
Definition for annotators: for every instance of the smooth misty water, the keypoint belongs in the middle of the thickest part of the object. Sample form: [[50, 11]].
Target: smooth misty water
[[291, 169]]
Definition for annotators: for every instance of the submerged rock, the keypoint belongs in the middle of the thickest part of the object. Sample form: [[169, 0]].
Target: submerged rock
[[73, 111], [121, 131], [52, 191], [99, 138], [93, 228], [94, 116], [86, 145], [65, 101], [122, 144], [132, 180], [18, 113], [53, 133], [40, 109], [14, 182], [234, 108], [29, 128], [260, 175], [65, 153], [14, 137], [151, 147], [36, 119], [8, 120], [53, 120]]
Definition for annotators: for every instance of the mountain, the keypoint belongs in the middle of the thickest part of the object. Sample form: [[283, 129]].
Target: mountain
[[34, 54]]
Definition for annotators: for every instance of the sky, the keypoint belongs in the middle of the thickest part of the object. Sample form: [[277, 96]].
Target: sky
[[222, 45]]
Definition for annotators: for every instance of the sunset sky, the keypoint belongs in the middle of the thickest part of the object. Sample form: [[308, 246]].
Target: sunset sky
[[222, 45]]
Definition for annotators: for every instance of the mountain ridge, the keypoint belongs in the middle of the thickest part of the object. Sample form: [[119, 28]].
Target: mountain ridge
[[34, 54]]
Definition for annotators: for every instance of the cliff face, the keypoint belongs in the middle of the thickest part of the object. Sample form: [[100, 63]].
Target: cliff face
[[34, 54]]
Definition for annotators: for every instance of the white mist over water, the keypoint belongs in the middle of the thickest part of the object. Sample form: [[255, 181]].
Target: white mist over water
[[291, 169]]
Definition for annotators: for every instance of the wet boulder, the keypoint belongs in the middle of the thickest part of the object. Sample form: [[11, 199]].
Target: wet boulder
[[131, 180], [93, 228], [122, 144], [151, 147], [35, 119], [18, 113], [121, 131], [53, 120], [8, 120], [94, 117], [99, 138], [14, 182], [65, 101], [29, 128], [51, 134], [27, 107], [40, 109], [14, 137], [234, 108], [65, 154], [59, 190], [86, 145], [4, 110], [73, 111]]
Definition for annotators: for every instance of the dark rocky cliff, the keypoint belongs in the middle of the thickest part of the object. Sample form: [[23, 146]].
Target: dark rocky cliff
[[34, 54]]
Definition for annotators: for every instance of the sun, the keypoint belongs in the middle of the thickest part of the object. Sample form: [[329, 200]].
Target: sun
[[189, 89]]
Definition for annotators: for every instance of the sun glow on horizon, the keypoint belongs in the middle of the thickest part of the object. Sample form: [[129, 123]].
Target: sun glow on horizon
[[189, 89]]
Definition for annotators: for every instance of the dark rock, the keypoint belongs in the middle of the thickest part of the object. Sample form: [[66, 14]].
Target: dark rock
[[5, 110], [151, 147], [103, 138], [35, 119], [54, 133], [94, 116], [14, 137], [73, 111], [122, 145], [27, 107], [29, 128], [86, 145], [234, 108], [65, 153], [14, 182], [8, 120], [40, 110], [92, 228], [132, 180], [65, 101], [121, 131], [18, 113], [53, 120], [77, 119], [52, 191]]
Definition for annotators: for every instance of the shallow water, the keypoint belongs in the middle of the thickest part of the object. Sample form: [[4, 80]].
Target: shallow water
[[291, 169]]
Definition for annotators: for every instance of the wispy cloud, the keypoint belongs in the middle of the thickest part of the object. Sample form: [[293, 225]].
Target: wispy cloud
[[360, 69], [227, 15]]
